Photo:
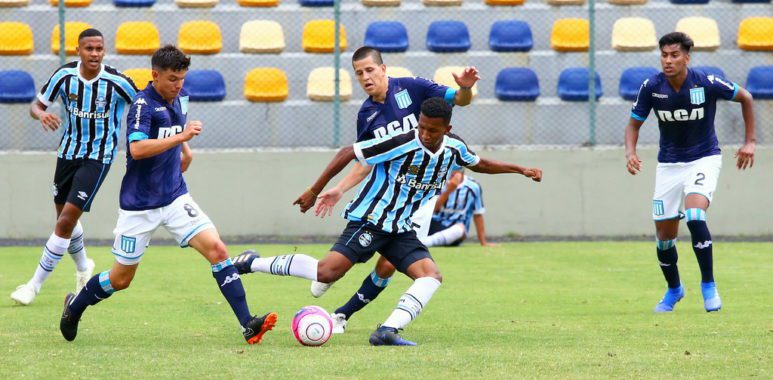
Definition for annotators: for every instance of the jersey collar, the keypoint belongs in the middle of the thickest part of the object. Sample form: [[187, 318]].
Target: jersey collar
[[427, 151], [87, 82]]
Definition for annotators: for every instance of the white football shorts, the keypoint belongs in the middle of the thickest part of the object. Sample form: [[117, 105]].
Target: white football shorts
[[422, 218], [674, 181], [182, 218]]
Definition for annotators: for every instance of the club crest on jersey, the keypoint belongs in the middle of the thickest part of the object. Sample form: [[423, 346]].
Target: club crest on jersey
[[697, 96], [413, 169], [365, 239], [403, 99], [101, 102]]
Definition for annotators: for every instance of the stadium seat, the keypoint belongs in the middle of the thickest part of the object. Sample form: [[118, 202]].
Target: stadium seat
[[16, 39], [570, 34], [316, 3], [387, 36], [381, 3], [634, 34], [498, 3], [71, 3], [261, 36], [573, 84], [627, 2], [398, 72], [199, 37], [204, 86], [71, 31], [704, 32], [448, 37], [258, 3], [137, 37], [566, 2], [750, 1], [196, 3], [442, 3], [510, 35], [760, 82], [133, 3], [140, 77], [321, 84], [13, 3], [756, 33], [16, 87], [266, 84], [710, 70], [689, 1], [517, 84], [443, 75], [319, 36], [631, 80]]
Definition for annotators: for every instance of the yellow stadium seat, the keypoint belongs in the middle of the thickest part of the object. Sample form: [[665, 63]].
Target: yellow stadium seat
[[756, 33], [265, 84], [381, 3], [444, 76], [196, 3], [14, 3], [137, 37], [199, 37], [16, 39], [71, 31], [71, 3], [398, 72], [261, 36], [566, 2], [258, 3], [570, 34], [627, 2], [140, 77], [442, 3], [704, 32], [504, 2], [319, 36], [634, 34], [321, 84]]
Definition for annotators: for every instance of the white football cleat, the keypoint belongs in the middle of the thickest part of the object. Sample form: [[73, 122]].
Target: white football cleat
[[339, 323], [319, 288], [81, 278], [24, 294]]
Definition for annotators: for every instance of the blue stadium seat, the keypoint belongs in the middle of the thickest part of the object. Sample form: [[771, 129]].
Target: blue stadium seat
[[573, 84], [631, 80], [448, 37], [16, 87], [710, 70], [518, 84], [510, 35], [205, 86], [316, 3], [133, 3], [387, 36], [760, 82], [689, 1]]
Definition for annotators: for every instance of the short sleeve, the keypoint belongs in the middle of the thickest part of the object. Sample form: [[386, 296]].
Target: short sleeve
[[52, 88], [431, 89], [126, 89], [139, 119], [722, 88], [643, 104], [376, 151], [464, 156]]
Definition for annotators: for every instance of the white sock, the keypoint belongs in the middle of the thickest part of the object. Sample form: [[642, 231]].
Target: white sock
[[299, 265], [77, 249], [52, 253], [412, 302], [445, 237]]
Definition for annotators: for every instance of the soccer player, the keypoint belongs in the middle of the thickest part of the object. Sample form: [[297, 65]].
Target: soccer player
[[94, 97], [153, 194], [409, 169], [689, 160], [460, 202], [392, 106]]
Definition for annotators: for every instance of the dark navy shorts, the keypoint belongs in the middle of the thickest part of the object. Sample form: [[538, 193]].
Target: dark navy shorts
[[360, 241], [77, 181]]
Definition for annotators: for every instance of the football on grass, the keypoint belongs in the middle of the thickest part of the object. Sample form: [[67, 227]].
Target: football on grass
[[312, 326]]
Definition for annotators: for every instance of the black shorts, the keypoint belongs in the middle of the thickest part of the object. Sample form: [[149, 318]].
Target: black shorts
[[77, 181], [360, 241], [436, 226]]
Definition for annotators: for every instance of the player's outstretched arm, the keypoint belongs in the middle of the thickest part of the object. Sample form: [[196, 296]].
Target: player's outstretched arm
[[451, 185], [328, 198], [49, 121], [307, 199], [745, 155], [633, 163], [466, 79], [490, 166], [151, 147], [480, 229]]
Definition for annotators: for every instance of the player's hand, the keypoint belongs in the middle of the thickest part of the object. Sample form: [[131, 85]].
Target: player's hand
[[50, 122], [534, 173], [745, 156], [455, 180], [193, 128], [633, 163], [327, 200], [467, 78], [306, 200], [487, 244]]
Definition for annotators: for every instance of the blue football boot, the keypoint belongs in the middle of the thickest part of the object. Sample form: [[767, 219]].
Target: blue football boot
[[388, 336], [669, 300], [711, 300]]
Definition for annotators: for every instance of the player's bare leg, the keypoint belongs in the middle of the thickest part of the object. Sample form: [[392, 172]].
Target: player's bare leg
[[695, 212]]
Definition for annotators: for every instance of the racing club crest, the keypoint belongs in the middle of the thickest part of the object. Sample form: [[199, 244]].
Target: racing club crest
[[697, 96]]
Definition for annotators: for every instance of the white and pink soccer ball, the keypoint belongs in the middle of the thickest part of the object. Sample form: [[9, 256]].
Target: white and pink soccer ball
[[312, 326]]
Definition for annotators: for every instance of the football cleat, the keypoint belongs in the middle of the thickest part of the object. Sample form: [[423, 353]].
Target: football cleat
[[319, 288], [711, 300], [68, 325], [388, 336], [24, 294], [243, 262], [81, 278], [257, 326], [339, 323], [669, 300]]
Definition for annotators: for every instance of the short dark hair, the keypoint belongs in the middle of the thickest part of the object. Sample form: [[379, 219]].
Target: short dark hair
[[365, 52], [90, 32], [437, 107], [684, 41], [170, 57]]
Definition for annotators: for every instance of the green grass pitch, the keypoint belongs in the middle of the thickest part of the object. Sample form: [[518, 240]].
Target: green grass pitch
[[546, 310]]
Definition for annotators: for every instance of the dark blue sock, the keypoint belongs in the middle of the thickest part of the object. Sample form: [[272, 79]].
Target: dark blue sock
[[668, 258], [230, 285], [370, 289], [702, 245], [96, 289]]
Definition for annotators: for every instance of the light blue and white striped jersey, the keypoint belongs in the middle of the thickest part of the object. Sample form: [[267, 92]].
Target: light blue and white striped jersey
[[405, 176], [462, 204], [94, 110]]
